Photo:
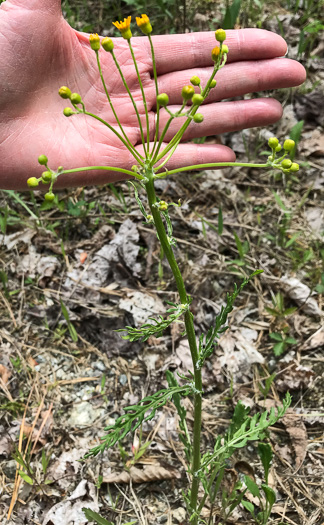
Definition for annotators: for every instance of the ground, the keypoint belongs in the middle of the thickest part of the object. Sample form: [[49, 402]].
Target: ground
[[74, 271]]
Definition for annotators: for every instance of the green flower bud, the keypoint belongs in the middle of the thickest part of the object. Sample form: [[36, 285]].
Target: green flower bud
[[187, 92], [68, 112], [42, 159], [286, 164], [49, 197], [107, 44], [195, 81], [220, 35], [149, 218], [76, 98], [32, 182], [273, 142], [46, 176], [64, 92], [162, 99], [213, 83], [289, 145], [197, 99], [225, 49], [198, 118], [278, 148], [294, 167]]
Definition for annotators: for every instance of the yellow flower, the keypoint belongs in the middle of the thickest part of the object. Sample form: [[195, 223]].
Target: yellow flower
[[144, 24], [215, 53], [94, 42], [124, 28]]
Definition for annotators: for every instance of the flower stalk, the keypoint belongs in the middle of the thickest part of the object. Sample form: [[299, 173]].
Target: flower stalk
[[203, 472]]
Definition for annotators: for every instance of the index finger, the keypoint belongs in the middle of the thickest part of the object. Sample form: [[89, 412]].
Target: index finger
[[186, 51]]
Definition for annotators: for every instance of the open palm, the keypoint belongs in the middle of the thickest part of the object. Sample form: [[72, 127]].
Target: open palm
[[40, 52]]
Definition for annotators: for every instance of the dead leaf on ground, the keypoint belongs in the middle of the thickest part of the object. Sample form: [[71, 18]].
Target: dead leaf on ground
[[296, 429], [4, 374], [301, 294], [240, 352], [294, 377], [69, 512], [136, 475]]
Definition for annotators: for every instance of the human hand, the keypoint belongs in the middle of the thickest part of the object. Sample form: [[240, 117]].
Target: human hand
[[40, 52]]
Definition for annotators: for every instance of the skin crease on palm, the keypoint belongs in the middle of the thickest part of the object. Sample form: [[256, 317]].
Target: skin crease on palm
[[40, 52]]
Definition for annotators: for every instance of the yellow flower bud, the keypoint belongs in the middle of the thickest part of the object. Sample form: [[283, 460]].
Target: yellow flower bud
[[278, 148], [220, 35], [162, 99], [213, 83], [215, 53], [225, 49], [149, 218], [68, 112], [94, 41], [64, 92], [195, 81], [197, 99], [76, 98], [187, 92], [124, 28], [49, 196], [144, 24], [198, 118], [289, 145], [107, 44], [32, 182], [286, 164], [42, 159], [294, 167], [273, 142]]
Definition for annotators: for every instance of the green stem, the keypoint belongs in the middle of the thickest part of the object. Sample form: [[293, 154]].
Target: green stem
[[131, 147], [164, 240], [108, 168], [143, 96], [178, 136], [216, 165], [156, 136], [131, 97], [114, 131]]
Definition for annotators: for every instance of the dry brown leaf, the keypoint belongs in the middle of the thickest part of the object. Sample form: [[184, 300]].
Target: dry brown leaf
[[296, 429], [295, 377], [136, 475], [4, 374]]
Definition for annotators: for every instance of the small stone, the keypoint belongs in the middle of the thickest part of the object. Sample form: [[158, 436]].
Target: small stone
[[179, 515], [9, 469], [83, 414], [123, 379]]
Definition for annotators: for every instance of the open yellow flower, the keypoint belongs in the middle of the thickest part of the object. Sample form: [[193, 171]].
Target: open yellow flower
[[124, 28], [144, 24]]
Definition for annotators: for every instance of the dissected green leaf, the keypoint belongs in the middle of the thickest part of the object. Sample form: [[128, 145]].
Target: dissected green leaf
[[135, 415]]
